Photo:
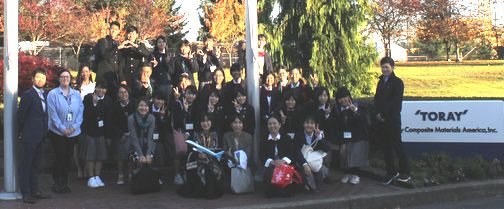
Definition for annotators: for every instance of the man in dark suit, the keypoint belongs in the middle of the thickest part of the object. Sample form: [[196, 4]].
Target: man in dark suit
[[388, 104], [32, 118]]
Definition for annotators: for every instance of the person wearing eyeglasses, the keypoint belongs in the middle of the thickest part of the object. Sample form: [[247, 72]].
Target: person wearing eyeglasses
[[65, 110]]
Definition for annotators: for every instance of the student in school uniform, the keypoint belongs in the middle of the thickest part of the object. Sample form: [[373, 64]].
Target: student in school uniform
[[93, 147], [241, 107], [276, 149], [185, 113]]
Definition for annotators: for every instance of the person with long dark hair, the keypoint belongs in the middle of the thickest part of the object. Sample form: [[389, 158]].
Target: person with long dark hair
[[276, 149], [203, 172], [65, 110], [218, 85], [119, 113], [184, 62], [93, 147], [162, 73]]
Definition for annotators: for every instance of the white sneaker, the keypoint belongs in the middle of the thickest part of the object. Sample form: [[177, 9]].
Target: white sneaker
[[178, 180], [99, 182], [354, 179], [345, 179], [92, 183], [120, 179]]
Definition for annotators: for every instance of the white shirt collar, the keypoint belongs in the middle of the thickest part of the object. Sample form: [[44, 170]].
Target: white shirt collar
[[40, 91], [155, 109], [270, 137]]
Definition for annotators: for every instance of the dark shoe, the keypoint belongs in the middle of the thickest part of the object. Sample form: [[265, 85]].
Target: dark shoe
[[41, 195], [404, 178], [28, 199], [389, 178]]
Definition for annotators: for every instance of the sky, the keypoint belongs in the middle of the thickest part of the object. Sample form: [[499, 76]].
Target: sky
[[190, 9]]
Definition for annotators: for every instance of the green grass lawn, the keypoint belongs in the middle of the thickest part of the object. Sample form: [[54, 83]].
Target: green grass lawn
[[455, 81]]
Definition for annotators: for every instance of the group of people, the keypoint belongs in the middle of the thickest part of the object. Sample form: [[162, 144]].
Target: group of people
[[142, 106]]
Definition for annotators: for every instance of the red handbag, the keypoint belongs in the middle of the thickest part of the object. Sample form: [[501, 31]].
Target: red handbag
[[284, 175]]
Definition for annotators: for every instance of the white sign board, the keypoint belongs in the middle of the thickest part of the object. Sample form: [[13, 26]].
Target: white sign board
[[472, 121]]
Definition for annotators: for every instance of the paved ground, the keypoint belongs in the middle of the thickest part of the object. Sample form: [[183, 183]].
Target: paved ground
[[496, 202], [115, 196]]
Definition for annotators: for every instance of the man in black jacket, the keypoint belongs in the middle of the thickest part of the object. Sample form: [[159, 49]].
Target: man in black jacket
[[388, 104], [107, 59], [32, 119]]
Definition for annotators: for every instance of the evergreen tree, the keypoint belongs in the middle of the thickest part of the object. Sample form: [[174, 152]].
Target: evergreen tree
[[325, 37]]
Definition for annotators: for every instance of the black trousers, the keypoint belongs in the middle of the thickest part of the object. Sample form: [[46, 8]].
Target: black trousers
[[28, 169], [63, 149], [390, 136]]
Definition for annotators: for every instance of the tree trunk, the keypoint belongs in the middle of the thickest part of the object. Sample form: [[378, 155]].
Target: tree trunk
[[457, 51], [447, 47]]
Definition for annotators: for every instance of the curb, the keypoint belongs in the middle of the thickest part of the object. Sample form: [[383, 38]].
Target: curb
[[420, 196]]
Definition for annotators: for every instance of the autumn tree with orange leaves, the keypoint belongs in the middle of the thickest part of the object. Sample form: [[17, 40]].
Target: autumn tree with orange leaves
[[225, 21]]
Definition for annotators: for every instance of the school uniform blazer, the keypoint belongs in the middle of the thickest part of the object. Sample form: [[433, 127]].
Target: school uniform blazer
[[162, 73], [285, 147], [181, 117], [119, 119], [244, 143], [179, 65], [93, 114], [354, 122], [130, 60], [32, 120], [248, 112], [300, 140], [268, 109], [388, 98], [205, 73]]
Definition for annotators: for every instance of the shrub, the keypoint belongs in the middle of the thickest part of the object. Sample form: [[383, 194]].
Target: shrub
[[26, 65]]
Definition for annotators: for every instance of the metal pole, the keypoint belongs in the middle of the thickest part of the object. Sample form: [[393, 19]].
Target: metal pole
[[253, 73], [10, 98]]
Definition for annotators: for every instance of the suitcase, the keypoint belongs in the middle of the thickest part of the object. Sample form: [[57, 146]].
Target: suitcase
[[145, 180]]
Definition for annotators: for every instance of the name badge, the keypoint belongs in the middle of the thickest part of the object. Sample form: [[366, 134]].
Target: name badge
[[100, 123], [155, 136], [69, 117], [212, 68], [291, 135], [347, 135], [189, 126]]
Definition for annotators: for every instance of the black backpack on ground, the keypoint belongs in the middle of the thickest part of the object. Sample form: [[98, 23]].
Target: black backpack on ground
[[144, 180]]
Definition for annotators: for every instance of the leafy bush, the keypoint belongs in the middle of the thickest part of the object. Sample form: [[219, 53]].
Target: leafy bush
[[26, 65]]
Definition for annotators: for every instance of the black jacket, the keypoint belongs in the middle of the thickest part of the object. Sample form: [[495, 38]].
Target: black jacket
[[130, 62], [267, 109], [93, 114], [162, 73], [32, 119], [350, 121], [205, 73], [119, 118], [248, 112], [285, 147], [179, 65], [388, 98]]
